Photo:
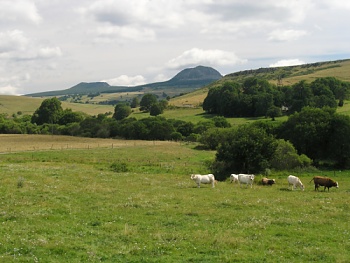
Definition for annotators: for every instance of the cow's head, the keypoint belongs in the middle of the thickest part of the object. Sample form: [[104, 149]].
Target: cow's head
[[194, 176]]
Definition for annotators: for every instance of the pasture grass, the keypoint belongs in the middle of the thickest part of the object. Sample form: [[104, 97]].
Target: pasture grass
[[12, 105], [74, 207]]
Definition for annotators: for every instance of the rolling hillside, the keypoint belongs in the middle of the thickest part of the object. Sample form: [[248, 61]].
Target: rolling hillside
[[26, 105], [289, 75], [185, 81], [339, 69]]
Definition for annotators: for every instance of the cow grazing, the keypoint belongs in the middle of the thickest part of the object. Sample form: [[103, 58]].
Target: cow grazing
[[267, 181], [233, 178], [324, 181], [203, 179], [295, 182], [246, 179]]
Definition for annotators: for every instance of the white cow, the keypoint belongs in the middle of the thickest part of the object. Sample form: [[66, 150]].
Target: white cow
[[233, 178], [246, 179], [204, 179], [295, 182]]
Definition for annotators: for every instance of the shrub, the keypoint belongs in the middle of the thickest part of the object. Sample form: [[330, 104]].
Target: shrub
[[119, 167], [20, 182], [287, 158]]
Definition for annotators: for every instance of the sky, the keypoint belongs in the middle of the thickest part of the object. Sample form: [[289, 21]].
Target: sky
[[54, 45]]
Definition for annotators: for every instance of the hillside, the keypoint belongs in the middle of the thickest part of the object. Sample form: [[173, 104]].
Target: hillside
[[292, 74], [280, 75], [185, 81], [191, 100], [10, 105]]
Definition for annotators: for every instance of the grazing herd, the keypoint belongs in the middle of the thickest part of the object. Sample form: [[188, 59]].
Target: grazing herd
[[248, 179]]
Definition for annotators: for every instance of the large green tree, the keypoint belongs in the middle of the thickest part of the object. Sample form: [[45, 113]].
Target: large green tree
[[309, 131], [339, 143], [147, 101], [49, 112], [121, 111], [248, 149], [287, 158]]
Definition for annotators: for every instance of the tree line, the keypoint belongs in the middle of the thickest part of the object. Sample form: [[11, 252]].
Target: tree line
[[257, 97], [50, 118], [311, 136]]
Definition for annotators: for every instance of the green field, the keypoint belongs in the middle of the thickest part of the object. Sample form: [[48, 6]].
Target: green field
[[11, 105], [81, 200]]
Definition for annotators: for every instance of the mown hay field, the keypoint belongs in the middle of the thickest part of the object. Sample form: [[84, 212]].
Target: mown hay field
[[136, 203]]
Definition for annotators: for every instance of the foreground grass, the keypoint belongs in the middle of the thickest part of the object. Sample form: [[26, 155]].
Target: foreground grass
[[69, 205]]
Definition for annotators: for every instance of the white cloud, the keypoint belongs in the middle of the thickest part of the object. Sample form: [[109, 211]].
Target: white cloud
[[125, 80], [211, 57], [11, 41], [14, 45], [287, 62], [10, 85], [9, 90], [112, 33], [12, 11], [160, 78], [337, 4], [49, 52], [286, 35]]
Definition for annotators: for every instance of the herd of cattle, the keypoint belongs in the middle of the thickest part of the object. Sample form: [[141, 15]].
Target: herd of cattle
[[248, 179]]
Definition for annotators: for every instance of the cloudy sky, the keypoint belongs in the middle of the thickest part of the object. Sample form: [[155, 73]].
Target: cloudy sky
[[54, 45]]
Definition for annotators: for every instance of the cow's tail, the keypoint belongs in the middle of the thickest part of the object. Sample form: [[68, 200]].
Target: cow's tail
[[312, 179]]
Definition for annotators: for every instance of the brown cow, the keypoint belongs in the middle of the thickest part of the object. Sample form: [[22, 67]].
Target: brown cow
[[324, 181], [267, 181]]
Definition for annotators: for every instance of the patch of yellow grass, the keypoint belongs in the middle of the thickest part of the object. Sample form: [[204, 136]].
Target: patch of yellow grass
[[28, 105], [18, 143], [193, 99]]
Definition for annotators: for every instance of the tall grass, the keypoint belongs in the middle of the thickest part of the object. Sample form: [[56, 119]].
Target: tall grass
[[74, 208]]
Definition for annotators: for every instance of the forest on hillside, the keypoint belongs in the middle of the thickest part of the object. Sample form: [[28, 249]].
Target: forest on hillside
[[257, 97], [314, 134]]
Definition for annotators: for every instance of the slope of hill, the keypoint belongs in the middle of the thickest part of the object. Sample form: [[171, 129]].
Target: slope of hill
[[292, 74], [280, 75], [188, 79], [21, 105]]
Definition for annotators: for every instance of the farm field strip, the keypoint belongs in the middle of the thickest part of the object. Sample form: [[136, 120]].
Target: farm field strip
[[17, 143]]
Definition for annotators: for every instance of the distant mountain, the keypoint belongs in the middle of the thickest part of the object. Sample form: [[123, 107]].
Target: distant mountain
[[197, 74], [185, 81]]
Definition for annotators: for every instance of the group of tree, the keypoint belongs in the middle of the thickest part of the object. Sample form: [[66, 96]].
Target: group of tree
[[313, 136], [149, 103], [50, 118], [257, 97], [310, 136]]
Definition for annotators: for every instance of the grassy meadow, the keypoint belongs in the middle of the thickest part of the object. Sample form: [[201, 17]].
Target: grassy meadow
[[27, 105], [89, 200]]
